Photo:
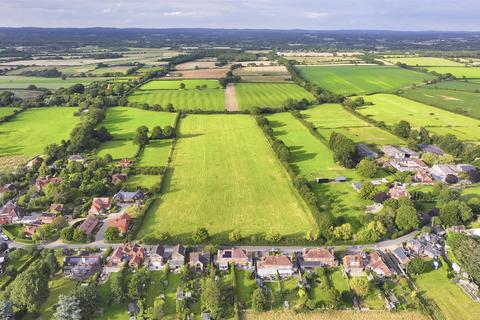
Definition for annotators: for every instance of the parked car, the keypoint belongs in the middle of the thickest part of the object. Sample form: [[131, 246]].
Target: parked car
[[4, 237]]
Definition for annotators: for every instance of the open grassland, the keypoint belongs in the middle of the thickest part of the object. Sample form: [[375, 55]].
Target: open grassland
[[451, 300], [333, 117], [425, 61], [225, 176], [122, 123], [111, 69], [313, 159], [459, 72], [156, 153], [205, 99], [30, 131], [462, 102], [175, 84], [461, 85], [273, 95], [5, 111], [350, 80], [335, 315], [391, 109], [19, 82]]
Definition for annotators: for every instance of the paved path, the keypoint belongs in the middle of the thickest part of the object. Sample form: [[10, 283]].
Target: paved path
[[231, 103]]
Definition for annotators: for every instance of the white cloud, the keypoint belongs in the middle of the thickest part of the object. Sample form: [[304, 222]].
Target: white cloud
[[176, 14], [316, 15]]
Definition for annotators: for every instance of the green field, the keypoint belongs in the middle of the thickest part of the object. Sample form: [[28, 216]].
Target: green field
[[425, 61], [225, 176], [112, 69], [273, 95], [391, 109], [462, 102], [175, 84], [313, 159], [118, 149], [205, 99], [461, 85], [30, 131], [5, 111], [449, 297], [351, 80], [142, 181], [458, 72], [333, 117], [156, 153], [19, 82]]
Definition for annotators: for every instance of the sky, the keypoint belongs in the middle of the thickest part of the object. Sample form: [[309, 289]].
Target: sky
[[411, 15]]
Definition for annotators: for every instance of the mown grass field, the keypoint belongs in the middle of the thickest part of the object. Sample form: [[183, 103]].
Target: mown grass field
[[458, 72], [391, 109], [273, 95], [451, 300], [20, 82], [225, 176], [175, 84], [461, 85], [333, 117], [425, 61], [463, 102], [156, 153], [313, 159], [30, 131], [142, 181], [122, 123], [351, 80], [205, 99]]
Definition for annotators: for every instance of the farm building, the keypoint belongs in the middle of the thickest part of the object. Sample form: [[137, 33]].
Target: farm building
[[365, 152], [399, 152], [431, 148]]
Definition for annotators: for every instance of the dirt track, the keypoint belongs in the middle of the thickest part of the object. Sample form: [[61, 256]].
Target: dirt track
[[231, 103]]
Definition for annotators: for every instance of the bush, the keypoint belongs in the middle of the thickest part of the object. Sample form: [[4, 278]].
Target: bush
[[273, 236], [200, 235]]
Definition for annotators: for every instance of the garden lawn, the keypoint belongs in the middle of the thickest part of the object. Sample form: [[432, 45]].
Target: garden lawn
[[313, 159], [174, 282], [462, 102], [273, 95], [449, 297], [143, 181], [245, 287], [340, 283], [225, 176], [5, 111], [111, 311], [118, 149], [29, 132], [391, 109], [156, 153], [425, 61], [458, 72], [175, 84], [20, 82], [351, 80], [333, 117], [204, 99]]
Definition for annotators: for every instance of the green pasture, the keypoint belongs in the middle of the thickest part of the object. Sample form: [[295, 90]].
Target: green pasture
[[142, 181], [461, 85], [425, 61], [351, 80], [118, 149], [5, 111], [156, 153], [391, 109], [458, 72], [273, 95], [225, 176], [175, 84], [111, 69], [20, 82], [30, 131]]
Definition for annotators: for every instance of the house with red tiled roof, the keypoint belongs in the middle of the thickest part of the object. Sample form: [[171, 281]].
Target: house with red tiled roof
[[269, 267], [423, 176], [198, 260], [377, 265], [119, 178], [237, 257], [89, 224], [47, 218], [128, 253], [10, 213], [30, 229], [316, 258], [100, 205], [56, 208], [42, 182], [398, 192], [354, 265], [125, 163], [8, 187], [122, 223]]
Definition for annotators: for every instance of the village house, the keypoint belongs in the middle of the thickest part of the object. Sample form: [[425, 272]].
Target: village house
[[158, 258], [398, 192], [81, 267], [119, 178], [198, 260], [377, 265], [8, 187], [316, 258], [100, 205], [34, 162], [431, 148], [395, 152], [354, 265], [269, 267], [237, 257], [10, 213], [128, 253], [42, 182], [56, 208], [423, 176], [76, 158], [401, 256], [177, 258], [30, 229], [47, 218], [365, 152], [125, 163], [89, 225], [128, 197], [426, 245], [122, 223]]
